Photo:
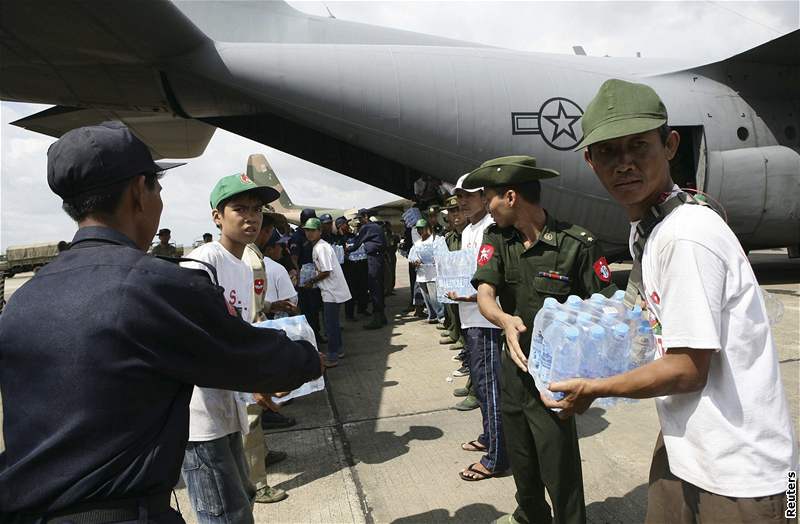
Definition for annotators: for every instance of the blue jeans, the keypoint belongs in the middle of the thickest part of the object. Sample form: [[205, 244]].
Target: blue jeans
[[483, 348], [333, 330], [217, 479], [435, 309]]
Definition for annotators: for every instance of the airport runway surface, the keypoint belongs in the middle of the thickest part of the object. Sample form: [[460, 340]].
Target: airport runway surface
[[382, 444]]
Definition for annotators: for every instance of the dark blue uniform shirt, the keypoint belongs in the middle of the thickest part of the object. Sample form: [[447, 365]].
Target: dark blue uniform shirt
[[300, 247], [98, 355], [371, 235]]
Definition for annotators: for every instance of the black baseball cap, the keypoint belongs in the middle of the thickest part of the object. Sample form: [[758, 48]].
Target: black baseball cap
[[340, 221], [164, 231], [364, 211], [326, 218], [88, 159], [307, 213]]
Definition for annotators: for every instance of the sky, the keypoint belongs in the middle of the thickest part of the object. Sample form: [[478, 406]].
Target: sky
[[694, 30]]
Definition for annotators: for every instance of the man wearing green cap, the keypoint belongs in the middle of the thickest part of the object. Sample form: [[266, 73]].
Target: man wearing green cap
[[726, 440], [526, 257]]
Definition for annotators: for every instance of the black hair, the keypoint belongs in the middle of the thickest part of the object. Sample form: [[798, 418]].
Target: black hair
[[663, 133], [267, 221], [207, 235], [103, 202], [531, 192]]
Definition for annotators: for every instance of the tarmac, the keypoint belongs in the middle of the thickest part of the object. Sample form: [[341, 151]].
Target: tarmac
[[382, 443]]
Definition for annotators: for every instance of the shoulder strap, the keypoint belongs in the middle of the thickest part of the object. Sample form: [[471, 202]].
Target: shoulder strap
[[657, 213]]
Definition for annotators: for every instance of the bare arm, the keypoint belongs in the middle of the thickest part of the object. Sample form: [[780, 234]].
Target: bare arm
[[513, 326], [681, 370]]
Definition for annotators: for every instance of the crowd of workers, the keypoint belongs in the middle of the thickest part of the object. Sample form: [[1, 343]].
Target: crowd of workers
[[98, 312]]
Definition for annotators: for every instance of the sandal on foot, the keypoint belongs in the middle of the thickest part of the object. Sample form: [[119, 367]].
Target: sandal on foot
[[476, 474], [473, 445]]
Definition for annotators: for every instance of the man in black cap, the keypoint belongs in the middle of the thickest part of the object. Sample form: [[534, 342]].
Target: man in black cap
[[344, 237], [371, 236], [207, 238], [327, 227], [114, 451], [164, 248], [310, 299]]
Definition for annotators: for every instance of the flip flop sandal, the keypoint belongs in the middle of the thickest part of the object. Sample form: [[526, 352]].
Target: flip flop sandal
[[473, 445], [480, 474]]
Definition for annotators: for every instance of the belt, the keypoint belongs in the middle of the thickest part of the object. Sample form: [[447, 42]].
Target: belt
[[104, 512]]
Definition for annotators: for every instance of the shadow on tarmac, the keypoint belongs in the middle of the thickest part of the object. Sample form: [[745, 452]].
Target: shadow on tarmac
[[471, 513], [631, 507], [591, 422]]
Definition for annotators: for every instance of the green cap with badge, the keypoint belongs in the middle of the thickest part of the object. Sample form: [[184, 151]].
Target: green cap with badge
[[507, 171], [619, 109], [450, 202], [234, 184], [312, 223], [421, 223]]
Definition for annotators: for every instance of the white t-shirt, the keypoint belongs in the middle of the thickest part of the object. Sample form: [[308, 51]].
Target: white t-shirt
[[279, 284], [333, 288], [471, 240], [426, 272], [734, 437], [215, 413]]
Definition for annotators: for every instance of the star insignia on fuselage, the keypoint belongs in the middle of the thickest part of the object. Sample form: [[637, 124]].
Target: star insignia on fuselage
[[562, 123]]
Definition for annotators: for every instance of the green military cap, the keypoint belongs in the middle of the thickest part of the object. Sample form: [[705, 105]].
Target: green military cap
[[450, 202], [507, 170], [421, 223], [234, 184], [619, 109], [312, 223]]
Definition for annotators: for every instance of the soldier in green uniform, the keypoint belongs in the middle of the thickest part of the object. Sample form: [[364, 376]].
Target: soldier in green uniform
[[527, 256], [164, 248]]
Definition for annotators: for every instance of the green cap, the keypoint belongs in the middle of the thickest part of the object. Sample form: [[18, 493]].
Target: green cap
[[234, 184], [450, 202], [507, 170], [312, 223], [421, 223], [619, 109]]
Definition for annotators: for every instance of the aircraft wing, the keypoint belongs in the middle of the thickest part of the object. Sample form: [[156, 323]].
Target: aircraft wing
[[166, 135]]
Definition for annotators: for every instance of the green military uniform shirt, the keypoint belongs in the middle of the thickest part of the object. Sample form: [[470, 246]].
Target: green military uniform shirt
[[565, 260], [165, 251], [452, 240]]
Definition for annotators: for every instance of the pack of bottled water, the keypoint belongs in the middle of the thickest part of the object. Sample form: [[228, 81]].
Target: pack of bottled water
[[593, 338], [358, 254], [422, 252], [307, 272], [339, 250], [296, 328], [411, 216], [454, 270]]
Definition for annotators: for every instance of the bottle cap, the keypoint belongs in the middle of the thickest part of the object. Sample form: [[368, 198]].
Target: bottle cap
[[619, 295], [621, 330], [573, 300], [609, 318], [597, 332], [571, 333], [636, 312], [550, 303], [597, 297], [562, 316], [584, 318]]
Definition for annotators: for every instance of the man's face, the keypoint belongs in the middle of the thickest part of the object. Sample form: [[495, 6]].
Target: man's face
[[152, 206], [275, 252], [313, 234], [470, 204], [455, 218], [207, 238], [433, 218], [424, 232], [241, 218], [344, 229], [164, 238], [363, 219], [501, 206], [633, 168], [264, 235], [327, 227]]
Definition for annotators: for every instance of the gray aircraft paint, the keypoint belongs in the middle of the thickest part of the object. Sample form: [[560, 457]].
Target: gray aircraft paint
[[384, 105]]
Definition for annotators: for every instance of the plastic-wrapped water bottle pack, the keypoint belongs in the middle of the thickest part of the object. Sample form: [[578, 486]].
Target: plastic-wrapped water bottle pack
[[358, 254], [454, 270], [411, 215], [339, 250], [307, 272], [296, 328], [593, 338]]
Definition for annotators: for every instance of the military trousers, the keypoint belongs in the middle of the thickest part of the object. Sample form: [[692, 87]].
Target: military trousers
[[542, 450], [375, 266]]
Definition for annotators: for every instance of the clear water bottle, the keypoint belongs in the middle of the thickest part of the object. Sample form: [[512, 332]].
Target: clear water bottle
[[542, 319], [566, 358], [618, 350], [594, 353], [552, 334], [643, 346]]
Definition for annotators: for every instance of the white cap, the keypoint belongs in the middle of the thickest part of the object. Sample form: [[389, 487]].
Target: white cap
[[460, 185]]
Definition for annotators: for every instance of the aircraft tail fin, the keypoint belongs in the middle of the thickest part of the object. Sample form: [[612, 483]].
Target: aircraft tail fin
[[780, 51], [166, 136], [260, 172]]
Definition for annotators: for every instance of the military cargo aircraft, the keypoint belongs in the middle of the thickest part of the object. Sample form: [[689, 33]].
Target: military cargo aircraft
[[385, 106]]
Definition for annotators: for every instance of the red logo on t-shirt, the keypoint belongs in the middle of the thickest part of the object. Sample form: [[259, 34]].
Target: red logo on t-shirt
[[655, 298], [485, 254], [258, 284], [602, 270]]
